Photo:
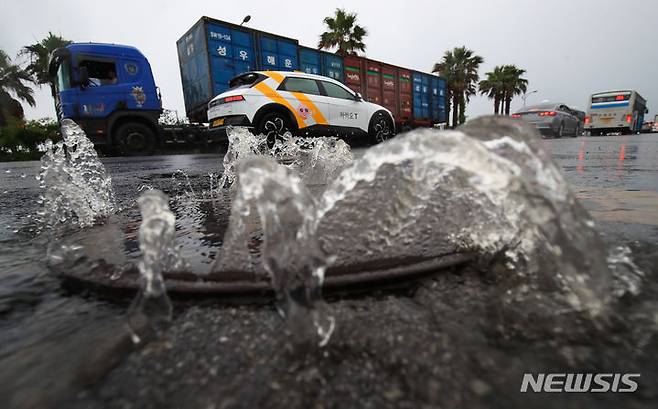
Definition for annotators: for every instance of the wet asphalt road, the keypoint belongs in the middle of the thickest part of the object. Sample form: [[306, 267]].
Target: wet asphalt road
[[455, 358], [616, 177]]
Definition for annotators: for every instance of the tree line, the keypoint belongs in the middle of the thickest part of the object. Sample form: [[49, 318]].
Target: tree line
[[17, 81], [19, 139]]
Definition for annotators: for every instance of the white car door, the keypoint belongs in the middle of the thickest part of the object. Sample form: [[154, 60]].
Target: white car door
[[344, 109], [303, 94]]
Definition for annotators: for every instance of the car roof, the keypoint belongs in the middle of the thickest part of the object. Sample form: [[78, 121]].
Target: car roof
[[299, 74]]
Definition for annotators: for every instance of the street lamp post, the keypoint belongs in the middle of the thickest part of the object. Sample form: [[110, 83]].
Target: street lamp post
[[525, 96], [245, 19]]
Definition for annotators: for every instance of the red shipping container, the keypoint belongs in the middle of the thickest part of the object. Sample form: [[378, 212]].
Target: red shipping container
[[405, 96], [390, 89], [354, 77], [374, 81], [383, 84]]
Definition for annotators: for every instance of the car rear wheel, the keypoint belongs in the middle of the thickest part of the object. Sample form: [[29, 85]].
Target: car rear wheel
[[135, 139], [560, 131], [381, 128], [273, 125], [577, 131]]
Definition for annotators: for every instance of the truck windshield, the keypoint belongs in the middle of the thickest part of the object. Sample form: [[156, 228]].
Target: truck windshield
[[245, 80], [63, 76]]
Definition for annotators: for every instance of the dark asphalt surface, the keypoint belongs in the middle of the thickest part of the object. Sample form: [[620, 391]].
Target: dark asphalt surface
[[442, 342]]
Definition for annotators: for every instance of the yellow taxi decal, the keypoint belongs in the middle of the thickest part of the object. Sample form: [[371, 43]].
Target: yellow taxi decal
[[315, 112], [275, 76], [276, 97]]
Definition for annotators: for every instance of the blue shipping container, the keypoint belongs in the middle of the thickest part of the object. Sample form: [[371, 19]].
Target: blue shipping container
[[442, 100], [421, 96], [231, 53], [213, 52], [434, 98], [194, 70], [425, 96], [310, 61], [332, 66], [317, 62], [277, 54]]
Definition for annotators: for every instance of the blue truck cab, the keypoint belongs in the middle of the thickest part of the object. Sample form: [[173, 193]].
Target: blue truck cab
[[109, 90]]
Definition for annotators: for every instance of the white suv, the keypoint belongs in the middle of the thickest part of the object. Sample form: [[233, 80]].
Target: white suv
[[274, 102]]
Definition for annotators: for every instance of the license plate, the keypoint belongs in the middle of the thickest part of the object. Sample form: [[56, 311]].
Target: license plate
[[606, 119], [218, 122]]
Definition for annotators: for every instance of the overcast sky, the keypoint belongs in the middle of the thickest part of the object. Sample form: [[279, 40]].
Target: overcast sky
[[570, 48]]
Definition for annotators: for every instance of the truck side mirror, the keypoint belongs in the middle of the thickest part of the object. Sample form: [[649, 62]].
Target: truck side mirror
[[83, 73], [646, 110]]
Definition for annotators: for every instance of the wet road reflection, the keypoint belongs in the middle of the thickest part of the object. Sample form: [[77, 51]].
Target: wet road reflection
[[627, 162]]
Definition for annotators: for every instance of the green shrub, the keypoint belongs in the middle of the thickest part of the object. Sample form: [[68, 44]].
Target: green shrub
[[19, 140]]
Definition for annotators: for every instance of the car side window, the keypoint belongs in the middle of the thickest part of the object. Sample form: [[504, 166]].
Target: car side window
[[303, 85], [336, 91]]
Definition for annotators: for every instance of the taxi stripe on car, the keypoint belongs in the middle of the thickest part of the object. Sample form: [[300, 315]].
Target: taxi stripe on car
[[315, 112], [276, 97], [275, 76], [270, 92]]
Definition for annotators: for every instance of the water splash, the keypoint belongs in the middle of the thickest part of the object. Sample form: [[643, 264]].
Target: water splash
[[152, 308], [316, 160], [183, 183], [558, 251], [488, 188], [291, 253], [77, 188], [627, 275], [242, 144]]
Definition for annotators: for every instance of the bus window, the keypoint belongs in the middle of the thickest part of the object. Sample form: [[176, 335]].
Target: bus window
[[611, 98]]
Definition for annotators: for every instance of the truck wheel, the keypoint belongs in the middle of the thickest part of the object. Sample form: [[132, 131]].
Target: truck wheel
[[381, 128], [135, 139], [273, 125]]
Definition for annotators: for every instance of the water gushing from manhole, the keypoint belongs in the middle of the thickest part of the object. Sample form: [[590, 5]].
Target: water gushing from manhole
[[152, 307], [77, 188], [488, 188], [291, 253], [316, 160]]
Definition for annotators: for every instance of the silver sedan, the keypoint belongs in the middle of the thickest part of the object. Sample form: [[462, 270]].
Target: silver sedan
[[556, 120]]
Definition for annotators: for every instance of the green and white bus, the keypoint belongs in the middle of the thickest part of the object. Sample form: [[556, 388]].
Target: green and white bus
[[615, 112]]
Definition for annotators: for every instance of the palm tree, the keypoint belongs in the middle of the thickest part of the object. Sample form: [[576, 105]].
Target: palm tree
[[513, 84], [343, 33], [493, 86], [13, 81], [39, 55], [459, 67]]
